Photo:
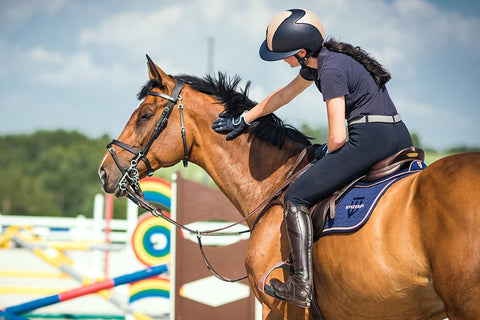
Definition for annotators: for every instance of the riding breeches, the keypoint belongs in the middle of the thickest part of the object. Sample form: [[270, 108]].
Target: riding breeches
[[367, 144]]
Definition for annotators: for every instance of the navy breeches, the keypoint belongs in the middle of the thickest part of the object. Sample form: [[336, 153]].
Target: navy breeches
[[367, 144]]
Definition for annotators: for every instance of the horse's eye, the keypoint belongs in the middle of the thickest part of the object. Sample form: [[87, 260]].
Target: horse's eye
[[146, 116]]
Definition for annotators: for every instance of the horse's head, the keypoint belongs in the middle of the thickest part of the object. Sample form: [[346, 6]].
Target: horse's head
[[135, 153]]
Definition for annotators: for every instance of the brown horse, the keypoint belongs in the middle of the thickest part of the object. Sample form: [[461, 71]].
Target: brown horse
[[418, 257]]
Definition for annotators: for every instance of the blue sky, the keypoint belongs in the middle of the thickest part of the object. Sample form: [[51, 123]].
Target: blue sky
[[79, 64]]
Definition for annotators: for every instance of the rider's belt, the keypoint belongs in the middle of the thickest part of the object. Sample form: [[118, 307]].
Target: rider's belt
[[374, 118]]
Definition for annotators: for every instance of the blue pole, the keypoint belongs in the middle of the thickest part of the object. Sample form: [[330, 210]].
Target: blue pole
[[10, 316], [74, 293]]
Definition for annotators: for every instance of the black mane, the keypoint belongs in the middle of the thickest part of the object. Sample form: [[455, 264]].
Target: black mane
[[269, 128]]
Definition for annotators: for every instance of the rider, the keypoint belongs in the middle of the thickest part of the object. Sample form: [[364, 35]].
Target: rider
[[353, 86]]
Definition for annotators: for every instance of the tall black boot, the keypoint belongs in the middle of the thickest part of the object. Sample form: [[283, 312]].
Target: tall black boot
[[298, 289]]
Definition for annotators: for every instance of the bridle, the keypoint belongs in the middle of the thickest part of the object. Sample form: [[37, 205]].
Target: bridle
[[130, 175], [129, 182]]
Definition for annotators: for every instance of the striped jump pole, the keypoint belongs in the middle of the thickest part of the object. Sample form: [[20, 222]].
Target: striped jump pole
[[81, 291], [65, 265]]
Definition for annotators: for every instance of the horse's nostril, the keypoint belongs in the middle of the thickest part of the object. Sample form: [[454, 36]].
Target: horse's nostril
[[102, 174]]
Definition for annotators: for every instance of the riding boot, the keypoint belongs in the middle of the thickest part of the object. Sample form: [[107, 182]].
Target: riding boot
[[298, 288]]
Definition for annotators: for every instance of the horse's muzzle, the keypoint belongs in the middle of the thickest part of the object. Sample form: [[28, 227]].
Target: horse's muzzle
[[110, 182]]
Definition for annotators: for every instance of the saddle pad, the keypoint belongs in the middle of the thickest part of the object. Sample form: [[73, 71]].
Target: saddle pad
[[356, 206]]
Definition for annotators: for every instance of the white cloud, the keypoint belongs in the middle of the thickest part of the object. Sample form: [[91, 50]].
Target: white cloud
[[42, 55], [428, 26], [399, 31], [18, 12], [80, 69], [132, 29], [438, 127]]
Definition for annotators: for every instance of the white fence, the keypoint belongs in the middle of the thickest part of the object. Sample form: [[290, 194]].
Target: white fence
[[79, 228], [68, 229]]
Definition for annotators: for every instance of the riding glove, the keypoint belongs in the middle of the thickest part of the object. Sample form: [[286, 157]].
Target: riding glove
[[234, 126], [321, 151]]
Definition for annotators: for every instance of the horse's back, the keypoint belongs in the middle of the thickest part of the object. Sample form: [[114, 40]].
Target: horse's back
[[400, 263], [447, 201]]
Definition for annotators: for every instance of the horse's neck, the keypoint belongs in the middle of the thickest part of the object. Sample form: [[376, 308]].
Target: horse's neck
[[247, 170]]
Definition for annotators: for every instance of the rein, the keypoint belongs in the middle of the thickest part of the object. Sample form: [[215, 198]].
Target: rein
[[131, 177]]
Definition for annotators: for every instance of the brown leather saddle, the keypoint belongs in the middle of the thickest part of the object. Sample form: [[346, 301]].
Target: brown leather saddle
[[390, 165]]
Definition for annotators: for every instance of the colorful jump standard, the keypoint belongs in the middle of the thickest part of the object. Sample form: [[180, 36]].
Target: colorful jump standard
[[70, 294]]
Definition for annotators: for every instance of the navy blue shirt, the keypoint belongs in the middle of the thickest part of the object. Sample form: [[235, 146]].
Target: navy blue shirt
[[339, 74]]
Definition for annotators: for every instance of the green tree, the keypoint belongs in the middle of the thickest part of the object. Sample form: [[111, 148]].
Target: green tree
[[416, 140], [318, 134], [51, 173]]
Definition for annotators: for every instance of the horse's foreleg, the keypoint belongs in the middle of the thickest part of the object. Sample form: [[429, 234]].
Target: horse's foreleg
[[267, 246], [264, 250]]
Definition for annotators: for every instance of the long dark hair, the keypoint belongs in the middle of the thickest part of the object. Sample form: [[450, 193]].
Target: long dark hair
[[378, 72]]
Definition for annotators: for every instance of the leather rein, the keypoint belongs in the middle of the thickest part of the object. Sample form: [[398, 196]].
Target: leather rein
[[129, 182]]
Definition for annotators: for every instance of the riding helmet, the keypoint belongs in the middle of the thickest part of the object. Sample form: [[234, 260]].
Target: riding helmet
[[289, 32]]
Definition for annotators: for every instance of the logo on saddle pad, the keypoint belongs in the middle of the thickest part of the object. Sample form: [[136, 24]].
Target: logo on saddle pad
[[354, 206]]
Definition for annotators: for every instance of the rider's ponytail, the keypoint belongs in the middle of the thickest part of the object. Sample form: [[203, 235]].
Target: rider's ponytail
[[378, 72]]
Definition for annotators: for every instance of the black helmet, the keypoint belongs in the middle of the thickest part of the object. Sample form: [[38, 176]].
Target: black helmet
[[289, 32]]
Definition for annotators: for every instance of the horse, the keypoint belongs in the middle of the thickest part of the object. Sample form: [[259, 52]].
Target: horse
[[417, 257]]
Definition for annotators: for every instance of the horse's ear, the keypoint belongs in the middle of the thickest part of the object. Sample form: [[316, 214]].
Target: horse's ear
[[154, 72]]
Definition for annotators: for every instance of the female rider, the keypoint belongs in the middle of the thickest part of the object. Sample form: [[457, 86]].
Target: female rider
[[353, 86]]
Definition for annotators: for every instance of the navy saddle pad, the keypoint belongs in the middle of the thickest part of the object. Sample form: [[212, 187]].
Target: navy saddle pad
[[356, 205]]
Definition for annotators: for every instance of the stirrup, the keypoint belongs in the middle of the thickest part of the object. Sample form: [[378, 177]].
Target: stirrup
[[268, 289], [295, 297]]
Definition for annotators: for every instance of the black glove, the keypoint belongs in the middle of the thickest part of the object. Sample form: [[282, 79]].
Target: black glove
[[321, 151], [234, 126]]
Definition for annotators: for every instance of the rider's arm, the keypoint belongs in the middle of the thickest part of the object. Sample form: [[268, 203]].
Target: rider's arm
[[278, 99], [337, 134]]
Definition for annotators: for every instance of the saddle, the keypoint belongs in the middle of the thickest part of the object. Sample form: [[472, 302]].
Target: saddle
[[379, 170]]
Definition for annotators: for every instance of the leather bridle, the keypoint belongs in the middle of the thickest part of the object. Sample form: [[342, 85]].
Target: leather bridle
[[129, 181], [130, 175]]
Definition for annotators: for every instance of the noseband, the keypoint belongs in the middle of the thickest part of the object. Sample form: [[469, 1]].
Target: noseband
[[131, 175]]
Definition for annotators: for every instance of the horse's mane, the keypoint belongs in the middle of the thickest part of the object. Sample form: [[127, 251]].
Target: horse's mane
[[269, 128]]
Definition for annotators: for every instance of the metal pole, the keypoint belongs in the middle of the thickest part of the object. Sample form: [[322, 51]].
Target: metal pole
[[173, 245]]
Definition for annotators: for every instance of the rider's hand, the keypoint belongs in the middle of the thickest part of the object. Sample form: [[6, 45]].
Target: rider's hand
[[234, 126]]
